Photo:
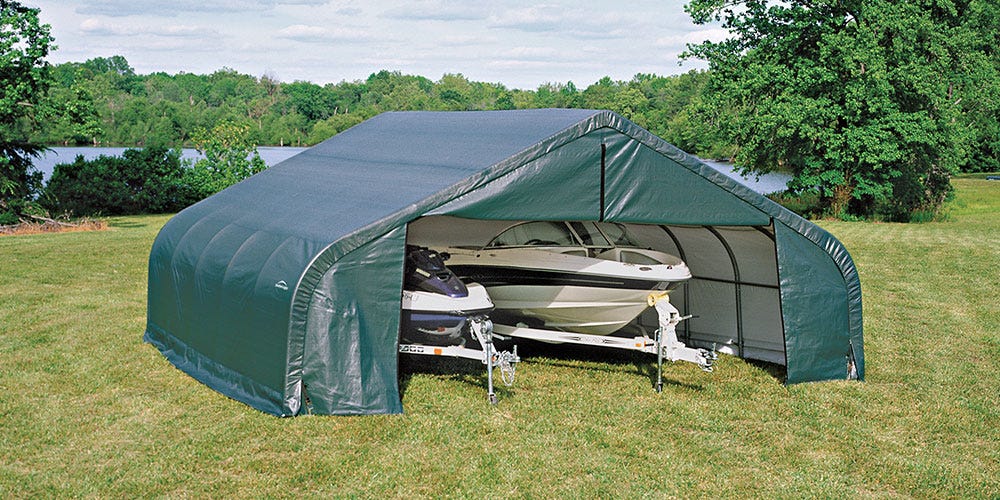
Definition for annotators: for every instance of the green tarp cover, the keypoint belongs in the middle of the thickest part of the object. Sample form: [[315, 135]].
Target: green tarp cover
[[285, 288]]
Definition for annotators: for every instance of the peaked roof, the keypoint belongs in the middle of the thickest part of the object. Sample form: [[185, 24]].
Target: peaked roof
[[390, 161]]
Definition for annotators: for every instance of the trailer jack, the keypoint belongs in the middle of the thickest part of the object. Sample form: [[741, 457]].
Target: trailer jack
[[667, 345], [482, 332]]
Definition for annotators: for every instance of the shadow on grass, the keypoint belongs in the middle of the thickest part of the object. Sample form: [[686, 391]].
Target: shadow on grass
[[779, 372], [462, 370], [595, 358], [126, 223]]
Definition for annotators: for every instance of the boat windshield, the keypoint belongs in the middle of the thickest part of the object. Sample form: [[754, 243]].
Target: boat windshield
[[539, 233], [590, 235], [563, 234], [618, 234]]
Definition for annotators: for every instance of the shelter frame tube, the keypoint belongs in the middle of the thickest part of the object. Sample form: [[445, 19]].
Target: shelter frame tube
[[687, 289], [736, 287], [781, 302]]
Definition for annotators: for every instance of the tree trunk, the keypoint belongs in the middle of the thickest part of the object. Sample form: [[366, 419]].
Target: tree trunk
[[841, 197]]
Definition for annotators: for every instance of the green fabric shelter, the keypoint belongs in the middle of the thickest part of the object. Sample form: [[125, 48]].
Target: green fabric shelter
[[283, 291]]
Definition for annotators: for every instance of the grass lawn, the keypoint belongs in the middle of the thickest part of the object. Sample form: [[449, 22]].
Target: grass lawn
[[87, 409]]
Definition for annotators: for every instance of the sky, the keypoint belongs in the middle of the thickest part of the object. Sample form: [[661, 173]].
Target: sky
[[520, 44]]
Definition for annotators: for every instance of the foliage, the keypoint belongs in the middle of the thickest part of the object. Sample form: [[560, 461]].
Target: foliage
[[140, 181], [24, 79], [332, 126], [167, 109], [73, 118], [230, 157], [859, 99], [154, 179], [679, 115], [89, 410], [980, 103], [806, 204]]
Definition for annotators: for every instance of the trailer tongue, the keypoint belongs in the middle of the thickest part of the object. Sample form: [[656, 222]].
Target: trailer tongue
[[482, 330]]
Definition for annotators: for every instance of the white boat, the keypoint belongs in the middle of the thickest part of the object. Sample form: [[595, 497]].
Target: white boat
[[437, 308], [585, 277]]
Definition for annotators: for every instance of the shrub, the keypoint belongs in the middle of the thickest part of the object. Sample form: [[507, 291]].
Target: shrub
[[138, 182], [807, 204]]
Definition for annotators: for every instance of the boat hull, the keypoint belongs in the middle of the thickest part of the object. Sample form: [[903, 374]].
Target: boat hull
[[562, 291], [595, 311]]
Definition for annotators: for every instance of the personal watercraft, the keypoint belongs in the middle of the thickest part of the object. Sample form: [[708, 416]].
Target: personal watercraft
[[437, 307]]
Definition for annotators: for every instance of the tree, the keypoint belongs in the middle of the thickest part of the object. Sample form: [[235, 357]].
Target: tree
[[230, 157], [981, 104], [454, 91], [630, 103], [308, 99], [81, 115], [601, 94], [332, 126], [857, 98], [24, 80]]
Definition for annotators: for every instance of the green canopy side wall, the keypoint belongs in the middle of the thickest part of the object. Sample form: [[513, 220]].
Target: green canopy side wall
[[244, 301], [817, 317], [350, 349]]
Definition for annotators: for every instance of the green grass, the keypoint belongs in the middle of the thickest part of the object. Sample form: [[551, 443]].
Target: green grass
[[87, 409]]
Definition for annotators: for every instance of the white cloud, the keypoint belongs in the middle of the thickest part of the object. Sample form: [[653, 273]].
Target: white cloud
[[98, 27], [532, 53], [438, 10], [464, 40], [573, 22], [101, 28], [538, 18], [307, 33], [176, 7], [696, 36]]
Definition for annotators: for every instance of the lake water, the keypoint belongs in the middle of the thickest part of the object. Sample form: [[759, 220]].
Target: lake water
[[765, 184], [272, 155]]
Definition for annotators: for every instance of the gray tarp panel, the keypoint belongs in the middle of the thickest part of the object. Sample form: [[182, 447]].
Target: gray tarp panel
[[734, 291], [293, 276]]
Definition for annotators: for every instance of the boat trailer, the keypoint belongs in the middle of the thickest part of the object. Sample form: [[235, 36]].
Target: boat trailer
[[482, 331], [665, 346]]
